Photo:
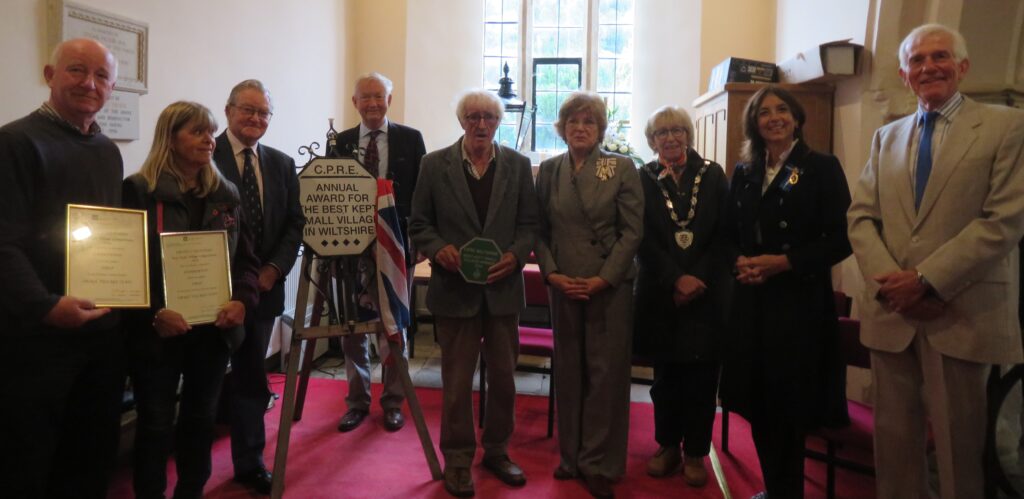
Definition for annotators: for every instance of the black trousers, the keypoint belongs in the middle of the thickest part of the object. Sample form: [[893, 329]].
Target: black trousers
[[60, 408], [248, 396], [684, 404], [198, 359], [780, 449]]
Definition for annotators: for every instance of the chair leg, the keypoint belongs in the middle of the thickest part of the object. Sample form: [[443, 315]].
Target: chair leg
[[551, 400], [483, 390], [830, 469], [725, 430]]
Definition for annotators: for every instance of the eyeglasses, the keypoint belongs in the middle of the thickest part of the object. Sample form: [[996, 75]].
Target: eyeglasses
[[490, 119], [248, 111], [676, 131]]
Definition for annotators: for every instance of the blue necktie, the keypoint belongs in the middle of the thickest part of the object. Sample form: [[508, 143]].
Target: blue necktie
[[924, 157]]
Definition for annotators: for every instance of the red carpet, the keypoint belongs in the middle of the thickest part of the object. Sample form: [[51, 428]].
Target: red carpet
[[372, 463]]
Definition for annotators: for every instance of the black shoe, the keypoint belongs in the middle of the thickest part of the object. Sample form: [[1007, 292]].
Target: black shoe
[[458, 482], [505, 470], [258, 480], [760, 495], [599, 486], [393, 419], [352, 419], [563, 474]]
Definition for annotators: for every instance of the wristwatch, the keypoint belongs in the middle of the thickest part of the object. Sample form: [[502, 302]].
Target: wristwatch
[[924, 282]]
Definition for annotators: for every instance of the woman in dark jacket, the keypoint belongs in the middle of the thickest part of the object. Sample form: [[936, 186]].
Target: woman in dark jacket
[[182, 191], [787, 220], [681, 289]]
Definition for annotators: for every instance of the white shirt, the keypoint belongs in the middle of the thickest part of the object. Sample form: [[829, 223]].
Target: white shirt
[[382, 146], [238, 151]]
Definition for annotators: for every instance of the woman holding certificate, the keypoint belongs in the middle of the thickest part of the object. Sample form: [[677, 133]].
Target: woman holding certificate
[[189, 331], [591, 206]]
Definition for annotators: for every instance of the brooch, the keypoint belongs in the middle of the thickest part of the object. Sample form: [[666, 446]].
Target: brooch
[[792, 179], [605, 168]]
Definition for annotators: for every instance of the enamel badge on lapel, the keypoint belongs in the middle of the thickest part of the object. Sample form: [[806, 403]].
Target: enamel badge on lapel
[[794, 177]]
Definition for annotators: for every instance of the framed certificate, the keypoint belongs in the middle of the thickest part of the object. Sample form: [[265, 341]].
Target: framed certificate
[[107, 258], [197, 273]]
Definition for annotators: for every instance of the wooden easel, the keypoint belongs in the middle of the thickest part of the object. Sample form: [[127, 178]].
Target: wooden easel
[[293, 402]]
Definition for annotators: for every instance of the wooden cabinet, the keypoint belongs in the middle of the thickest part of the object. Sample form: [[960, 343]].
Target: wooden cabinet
[[719, 119]]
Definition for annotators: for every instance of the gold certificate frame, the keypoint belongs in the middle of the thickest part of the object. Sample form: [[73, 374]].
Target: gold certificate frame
[[106, 256], [197, 274]]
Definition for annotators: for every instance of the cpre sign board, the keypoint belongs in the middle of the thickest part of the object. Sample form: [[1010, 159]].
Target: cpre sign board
[[338, 197]]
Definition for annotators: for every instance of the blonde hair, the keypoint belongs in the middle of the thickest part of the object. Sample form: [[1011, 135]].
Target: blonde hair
[[161, 157]]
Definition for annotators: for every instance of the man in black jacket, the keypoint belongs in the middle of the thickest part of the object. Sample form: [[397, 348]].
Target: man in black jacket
[[269, 189], [391, 151]]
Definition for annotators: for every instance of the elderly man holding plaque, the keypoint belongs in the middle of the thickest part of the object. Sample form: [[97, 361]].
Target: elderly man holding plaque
[[476, 189], [592, 208], [269, 189], [185, 336], [63, 378]]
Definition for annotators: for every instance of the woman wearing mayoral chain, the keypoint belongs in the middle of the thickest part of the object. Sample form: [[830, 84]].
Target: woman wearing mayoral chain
[[681, 291]]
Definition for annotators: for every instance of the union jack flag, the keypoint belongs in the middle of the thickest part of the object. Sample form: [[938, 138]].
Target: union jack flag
[[392, 281]]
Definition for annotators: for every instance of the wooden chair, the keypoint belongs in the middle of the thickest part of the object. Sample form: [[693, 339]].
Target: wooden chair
[[535, 338]]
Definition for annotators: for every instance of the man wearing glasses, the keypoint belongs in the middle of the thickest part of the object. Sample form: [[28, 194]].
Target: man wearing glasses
[[476, 188], [269, 189], [392, 151]]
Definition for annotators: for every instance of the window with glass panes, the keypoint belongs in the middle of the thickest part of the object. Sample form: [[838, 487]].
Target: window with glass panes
[[560, 46]]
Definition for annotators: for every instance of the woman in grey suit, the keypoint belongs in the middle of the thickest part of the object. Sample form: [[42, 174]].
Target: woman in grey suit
[[591, 206]]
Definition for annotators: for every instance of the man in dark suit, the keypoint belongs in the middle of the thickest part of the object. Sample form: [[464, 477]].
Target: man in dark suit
[[269, 188], [390, 151]]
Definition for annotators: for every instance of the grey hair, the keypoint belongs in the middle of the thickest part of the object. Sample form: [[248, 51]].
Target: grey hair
[[251, 84], [374, 76], [479, 96], [668, 116], [959, 44]]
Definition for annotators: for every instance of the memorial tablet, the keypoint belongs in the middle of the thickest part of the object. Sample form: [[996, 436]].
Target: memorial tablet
[[476, 257], [106, 257], [197, 274]]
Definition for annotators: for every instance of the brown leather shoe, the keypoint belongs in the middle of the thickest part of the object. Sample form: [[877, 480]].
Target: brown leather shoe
[[599, 486], [694, 473], [351, 419], [505, 470], [393, 419], [664, 462], [458, 481]]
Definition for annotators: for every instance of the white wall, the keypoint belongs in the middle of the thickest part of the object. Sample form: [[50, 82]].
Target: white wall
[[666, 61], [198, 50], [442, 60]]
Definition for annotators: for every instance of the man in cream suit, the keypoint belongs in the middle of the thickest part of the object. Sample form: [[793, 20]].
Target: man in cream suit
[[934, 225], [476, 188]]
